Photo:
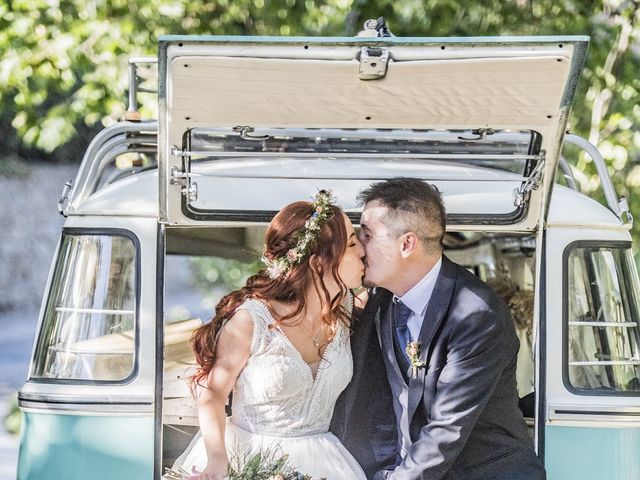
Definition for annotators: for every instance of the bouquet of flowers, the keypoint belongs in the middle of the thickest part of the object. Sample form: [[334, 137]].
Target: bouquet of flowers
[[269, 464]]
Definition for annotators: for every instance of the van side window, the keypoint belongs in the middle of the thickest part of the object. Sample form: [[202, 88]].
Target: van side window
[[88, 330], [601, 319]]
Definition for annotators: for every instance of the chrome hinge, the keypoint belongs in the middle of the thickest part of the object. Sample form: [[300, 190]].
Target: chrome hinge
[[521, 194], [373, 62], [623, 205], [188, 188], [62, 203]]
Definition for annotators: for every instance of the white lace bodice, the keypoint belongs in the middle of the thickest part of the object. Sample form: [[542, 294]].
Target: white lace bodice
[[275, 393]]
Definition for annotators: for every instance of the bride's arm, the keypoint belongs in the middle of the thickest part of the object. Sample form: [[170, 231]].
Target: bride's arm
[[232, 351]]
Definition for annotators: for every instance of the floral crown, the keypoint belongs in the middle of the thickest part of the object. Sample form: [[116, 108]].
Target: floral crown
[[306, 238]]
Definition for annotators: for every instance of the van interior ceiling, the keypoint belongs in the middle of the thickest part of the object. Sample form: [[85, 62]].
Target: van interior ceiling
[[506, 261]]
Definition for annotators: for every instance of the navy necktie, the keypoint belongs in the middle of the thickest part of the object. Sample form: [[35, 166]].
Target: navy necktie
[[403, 335]]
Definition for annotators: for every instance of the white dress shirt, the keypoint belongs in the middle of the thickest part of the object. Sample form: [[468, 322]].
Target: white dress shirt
[[417, 299]]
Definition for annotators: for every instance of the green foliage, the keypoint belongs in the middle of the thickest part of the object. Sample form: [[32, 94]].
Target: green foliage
[[267, 464], [13, 419], [230, 274], [63, 63]]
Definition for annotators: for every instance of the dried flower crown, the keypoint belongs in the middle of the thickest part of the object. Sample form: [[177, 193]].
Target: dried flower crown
[[306, 238]]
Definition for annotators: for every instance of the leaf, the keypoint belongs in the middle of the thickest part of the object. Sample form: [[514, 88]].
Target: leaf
[[280, 463]]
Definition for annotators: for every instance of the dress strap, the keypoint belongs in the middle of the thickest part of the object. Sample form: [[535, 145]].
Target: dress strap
[[262, 318]]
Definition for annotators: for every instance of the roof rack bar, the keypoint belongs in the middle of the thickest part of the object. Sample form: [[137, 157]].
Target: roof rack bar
[[618, 206], [95, 151], [567, 173], [132, 114], [113, 147]]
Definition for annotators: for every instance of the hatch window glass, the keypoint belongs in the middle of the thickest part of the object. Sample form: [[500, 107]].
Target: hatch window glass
[[280, 165], [602, 319], [89, 327], [514, 151]]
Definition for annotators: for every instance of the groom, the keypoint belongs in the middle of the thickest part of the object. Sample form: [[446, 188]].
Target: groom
[[449, 406]]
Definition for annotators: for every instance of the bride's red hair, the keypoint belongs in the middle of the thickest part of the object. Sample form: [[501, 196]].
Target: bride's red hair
[[281, 236]]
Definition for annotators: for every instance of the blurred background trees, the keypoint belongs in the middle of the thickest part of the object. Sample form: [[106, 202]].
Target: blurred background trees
[[63, 63]]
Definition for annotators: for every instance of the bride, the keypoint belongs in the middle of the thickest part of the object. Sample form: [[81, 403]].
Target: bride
[[281, 344]]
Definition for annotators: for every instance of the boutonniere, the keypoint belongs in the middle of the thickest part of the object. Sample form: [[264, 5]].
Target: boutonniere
[[413, 351]]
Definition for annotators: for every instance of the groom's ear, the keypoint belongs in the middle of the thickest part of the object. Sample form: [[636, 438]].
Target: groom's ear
[[409, 245]]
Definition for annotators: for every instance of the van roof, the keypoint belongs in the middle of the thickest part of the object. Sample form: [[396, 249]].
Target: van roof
[[137, 195]]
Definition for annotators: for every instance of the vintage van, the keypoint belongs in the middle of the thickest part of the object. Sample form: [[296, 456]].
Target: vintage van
[[247, 125]]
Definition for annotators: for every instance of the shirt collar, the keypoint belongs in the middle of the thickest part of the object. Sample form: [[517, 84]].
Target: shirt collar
[[417, 298]]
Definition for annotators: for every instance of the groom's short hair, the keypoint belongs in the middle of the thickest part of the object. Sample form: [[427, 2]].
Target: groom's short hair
[[414, 206]]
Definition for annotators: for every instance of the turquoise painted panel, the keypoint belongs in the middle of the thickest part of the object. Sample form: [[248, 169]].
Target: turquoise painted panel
[[70, 447], [586, 453]]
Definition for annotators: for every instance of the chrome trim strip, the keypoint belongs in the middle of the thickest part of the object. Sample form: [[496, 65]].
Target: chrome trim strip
[[176, 152], [95, 310], [595, 409], [605, 362], [603, 324], [594, 415], [85, 399], [371, 178], [85, 409], [161, 247]]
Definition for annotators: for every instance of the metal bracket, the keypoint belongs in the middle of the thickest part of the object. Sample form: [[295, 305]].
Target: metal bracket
[[188, 188], [373, 63], [375, 28], [481, 135], [245, 130], [521, 194], [625, 212], [62, 203]]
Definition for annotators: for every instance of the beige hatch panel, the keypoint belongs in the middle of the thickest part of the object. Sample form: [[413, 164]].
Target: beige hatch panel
[[453, 93]]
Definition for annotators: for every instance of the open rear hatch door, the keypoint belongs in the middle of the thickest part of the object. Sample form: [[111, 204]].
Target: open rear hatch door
[[248, 124]]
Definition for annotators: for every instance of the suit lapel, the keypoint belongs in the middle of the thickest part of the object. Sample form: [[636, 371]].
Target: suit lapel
[[433, 318]]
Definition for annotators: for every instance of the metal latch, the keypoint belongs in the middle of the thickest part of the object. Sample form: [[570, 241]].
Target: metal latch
[[246, 131], [373, 62], [62, 203], [481, 135], [188, 188], [521, 194]]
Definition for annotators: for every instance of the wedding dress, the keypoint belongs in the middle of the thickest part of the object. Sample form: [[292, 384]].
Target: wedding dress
[[278, 403]]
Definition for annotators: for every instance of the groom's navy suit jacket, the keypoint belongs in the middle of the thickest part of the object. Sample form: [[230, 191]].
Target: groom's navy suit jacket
[[464, 422]]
